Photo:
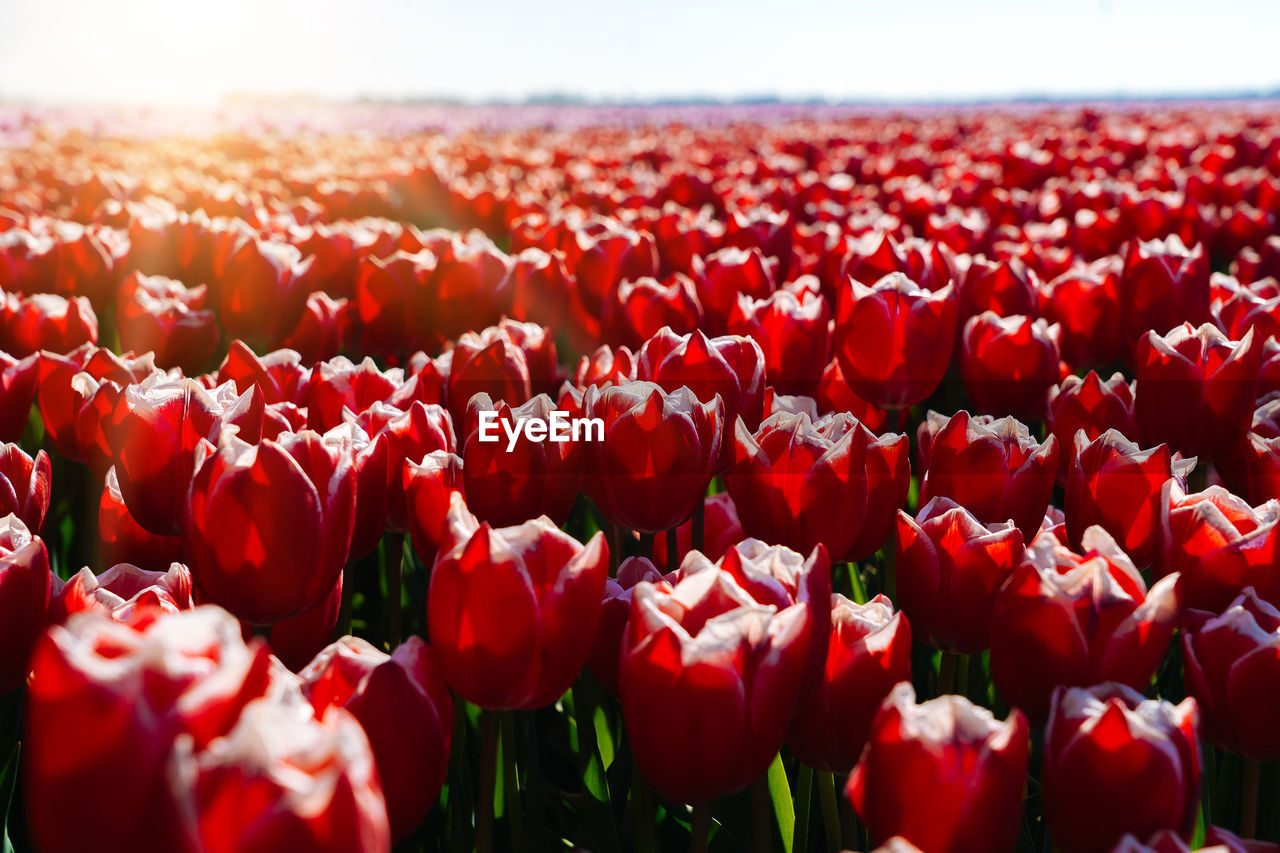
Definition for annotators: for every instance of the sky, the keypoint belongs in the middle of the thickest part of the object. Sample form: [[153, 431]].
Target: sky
[[184, 52]]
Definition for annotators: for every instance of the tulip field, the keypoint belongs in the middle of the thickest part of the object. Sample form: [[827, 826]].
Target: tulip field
[[641, 479]]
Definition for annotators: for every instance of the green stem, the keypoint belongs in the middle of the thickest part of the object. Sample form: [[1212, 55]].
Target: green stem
[[700, 831], [804, 797], [511, 782], [673, 558], [489, 729], [642, 806], [699, 526], [646, 545], [947, 674], [394, 567], [1249, 798], [762, 813], [830, 810]]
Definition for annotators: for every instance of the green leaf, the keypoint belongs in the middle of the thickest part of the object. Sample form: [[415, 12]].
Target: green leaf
[[783, 809], [8, 781]]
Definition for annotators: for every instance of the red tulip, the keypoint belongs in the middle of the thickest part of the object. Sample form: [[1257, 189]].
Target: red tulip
[[993, 468], [1216, 840], [606, 648], [17, 393], [708, 682], [138, 688], [1195, 389], [793, 330], [298, 639], [727, 276], [45, 321], [122, 540], [25, 585], [1115, 484], [833, 394], [606, 365], [1220, 545], [262, 290], [267, 528], [490, 365], [155, 428], [948, 568], [160, 315], [637, 310], [729, 366], [893, 340], [869, 651], [339, 384], [279, 374], [383, 691], [1085, 303], [121, 586], [510, 480], [1077, 620], [1009, 364], [1092, 405], [283, 779], [512, 612], [1163, 283], [429, 487], [1231, 664], [390, 297], [409, 435], [25, 485], [944, 775], [322, 330], [1005, 287], [798, 483], [657, 456], [1106, 745]]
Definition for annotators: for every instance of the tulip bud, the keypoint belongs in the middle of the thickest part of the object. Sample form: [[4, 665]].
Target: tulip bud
[[907, 784], [1107, 744], [25, 587]]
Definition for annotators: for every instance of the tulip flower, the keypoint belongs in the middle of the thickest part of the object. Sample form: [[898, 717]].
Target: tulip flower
[[893, 340], [512, 611], [160, 315], [658, 454], [268, 527], [708, 682], [1085, 303], [25, 587], [496, 367], [1106, 745], [338, 383], [727, 276], [382, 691], [118, 587], [793, 331], [278, 374], [409, 435], [322, 330], [282, 777], [1077, 620], [616, 365], [606, 649], [1220, 545], [139, 688], [46, 321], [869, 651], [154, 429], [262, 290], [948, 568], [429, 488], [1005, 287], [1116, 484], [1195, 389], [1216, 840], [17, 393], [507, 484], [25, 485], [122, 540], [1163, 283], [1230, 663], [1009, 363], [993, 468], [729, 366], [1092, 405], [639, 309], [908, 781]]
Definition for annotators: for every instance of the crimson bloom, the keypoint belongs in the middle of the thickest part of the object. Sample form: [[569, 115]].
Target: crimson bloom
[[1107, 744], [512, 611], [894, 339], [25, 587], [906, 782], [1009, 363], [1077, 620], [793, 331], [25, 485], [1092, 405]]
